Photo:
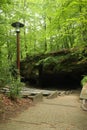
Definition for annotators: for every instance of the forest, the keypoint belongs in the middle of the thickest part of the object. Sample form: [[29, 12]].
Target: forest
[[49, 26]]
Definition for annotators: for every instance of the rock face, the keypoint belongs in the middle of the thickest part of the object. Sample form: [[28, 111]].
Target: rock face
[[64, 67]]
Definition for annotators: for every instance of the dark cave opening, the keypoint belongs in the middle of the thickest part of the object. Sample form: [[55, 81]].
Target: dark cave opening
[[63, 81], [51, 81]]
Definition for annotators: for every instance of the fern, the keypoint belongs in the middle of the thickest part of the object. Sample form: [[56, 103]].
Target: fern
[[84, 80]]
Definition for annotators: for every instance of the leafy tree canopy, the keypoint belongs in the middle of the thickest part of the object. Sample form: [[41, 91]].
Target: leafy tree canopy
[[50, 25]]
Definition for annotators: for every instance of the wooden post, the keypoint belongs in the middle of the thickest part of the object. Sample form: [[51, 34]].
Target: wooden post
[[18, 52]]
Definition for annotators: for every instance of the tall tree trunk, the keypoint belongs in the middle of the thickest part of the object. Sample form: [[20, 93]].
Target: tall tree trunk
[[25, 43], [45, 28]]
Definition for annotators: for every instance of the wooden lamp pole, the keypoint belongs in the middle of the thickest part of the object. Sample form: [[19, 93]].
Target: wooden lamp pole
[[18, 25]]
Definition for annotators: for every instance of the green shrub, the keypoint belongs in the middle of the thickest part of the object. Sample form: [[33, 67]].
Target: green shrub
[[84, 80], [15, 88], [14, 84], [4, 76]]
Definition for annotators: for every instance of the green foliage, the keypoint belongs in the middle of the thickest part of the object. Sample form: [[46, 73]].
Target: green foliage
[[50, 60], [15, 88], [84, 80], [5, 75], [66, 61], [50, 25], [14, 84], [7, 79], [49, 63]]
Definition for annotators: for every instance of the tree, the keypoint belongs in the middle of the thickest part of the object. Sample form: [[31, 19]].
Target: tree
[[50, 25]]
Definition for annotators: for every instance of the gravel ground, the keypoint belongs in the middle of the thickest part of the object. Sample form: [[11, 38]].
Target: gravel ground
[[61, 113]]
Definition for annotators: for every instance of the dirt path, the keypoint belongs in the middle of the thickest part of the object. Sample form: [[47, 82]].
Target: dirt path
[[61, 113]]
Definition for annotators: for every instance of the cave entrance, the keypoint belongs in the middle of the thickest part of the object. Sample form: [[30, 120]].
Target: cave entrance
[[55, 81]]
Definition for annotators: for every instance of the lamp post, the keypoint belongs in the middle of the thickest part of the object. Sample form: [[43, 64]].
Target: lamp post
[[18, 25]]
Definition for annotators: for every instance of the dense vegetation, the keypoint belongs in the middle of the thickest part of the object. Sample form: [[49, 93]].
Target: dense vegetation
[[50, 25], [66, 67]]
